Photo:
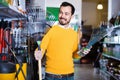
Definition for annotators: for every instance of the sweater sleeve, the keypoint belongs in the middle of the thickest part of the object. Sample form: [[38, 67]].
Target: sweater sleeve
[[75, 46], [45, 40]]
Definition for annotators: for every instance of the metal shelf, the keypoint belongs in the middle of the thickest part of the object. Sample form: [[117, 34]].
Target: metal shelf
[[108, 56], [112, 75], [108, 74], [10, 12], [111, 43]]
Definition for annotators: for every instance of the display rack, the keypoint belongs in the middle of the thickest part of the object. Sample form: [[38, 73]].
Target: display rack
[[111, 55], [107, 75], [9, 11], [108, 56]]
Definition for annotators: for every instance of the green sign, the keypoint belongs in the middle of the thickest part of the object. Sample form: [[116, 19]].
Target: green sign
[[4, 2], [52, 13]]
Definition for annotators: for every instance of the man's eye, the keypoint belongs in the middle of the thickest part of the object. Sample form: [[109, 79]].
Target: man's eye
[[66, 13]]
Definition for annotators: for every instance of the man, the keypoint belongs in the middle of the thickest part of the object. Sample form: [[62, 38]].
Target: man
[[60, 43]]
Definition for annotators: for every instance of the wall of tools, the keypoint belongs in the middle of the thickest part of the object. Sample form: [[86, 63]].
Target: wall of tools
[[18, 33]]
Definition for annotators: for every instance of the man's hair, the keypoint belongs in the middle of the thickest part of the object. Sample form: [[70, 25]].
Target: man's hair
[[68, 4]]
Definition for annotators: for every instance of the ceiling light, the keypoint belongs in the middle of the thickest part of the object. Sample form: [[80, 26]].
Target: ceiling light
[[99, 6]]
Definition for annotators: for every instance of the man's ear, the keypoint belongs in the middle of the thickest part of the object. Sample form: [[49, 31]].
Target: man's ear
[[72, 16]]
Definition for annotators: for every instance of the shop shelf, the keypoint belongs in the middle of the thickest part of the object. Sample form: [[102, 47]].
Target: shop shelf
[[112, 75], [108, 56], [8, 11], [111, 43], [106, 75]]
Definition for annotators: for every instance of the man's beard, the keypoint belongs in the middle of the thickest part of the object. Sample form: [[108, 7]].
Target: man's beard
[[62, 23]]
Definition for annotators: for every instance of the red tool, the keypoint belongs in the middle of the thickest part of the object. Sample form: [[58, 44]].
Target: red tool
[[1, 39]]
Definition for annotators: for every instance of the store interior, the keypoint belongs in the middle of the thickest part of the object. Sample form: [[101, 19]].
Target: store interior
[[24, 22]]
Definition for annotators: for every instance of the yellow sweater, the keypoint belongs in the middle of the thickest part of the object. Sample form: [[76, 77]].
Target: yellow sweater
[[60, 44]]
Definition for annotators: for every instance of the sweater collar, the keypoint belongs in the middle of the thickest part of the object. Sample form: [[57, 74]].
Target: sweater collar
[[57, 23]]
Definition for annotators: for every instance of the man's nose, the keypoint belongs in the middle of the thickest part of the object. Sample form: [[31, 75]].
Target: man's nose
[[63, 15]]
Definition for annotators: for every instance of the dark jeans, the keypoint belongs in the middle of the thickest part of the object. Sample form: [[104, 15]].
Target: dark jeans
[[54, 78]]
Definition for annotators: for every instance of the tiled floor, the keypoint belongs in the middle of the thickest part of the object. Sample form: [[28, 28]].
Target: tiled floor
[[85, 72]]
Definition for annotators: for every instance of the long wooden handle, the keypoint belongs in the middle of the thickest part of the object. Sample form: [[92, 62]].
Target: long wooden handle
[[39, 63], [40, 70]]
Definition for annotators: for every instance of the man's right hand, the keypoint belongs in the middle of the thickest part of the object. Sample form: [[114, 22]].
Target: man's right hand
[[38, 55]]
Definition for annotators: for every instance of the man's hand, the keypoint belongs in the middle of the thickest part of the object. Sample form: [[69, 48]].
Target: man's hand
[[83, 51], [38, 55]]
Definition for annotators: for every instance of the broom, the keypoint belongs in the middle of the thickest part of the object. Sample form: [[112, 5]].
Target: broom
[[39, 63]]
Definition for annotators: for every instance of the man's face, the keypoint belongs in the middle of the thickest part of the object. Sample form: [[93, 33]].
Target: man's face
[[65, 15]]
